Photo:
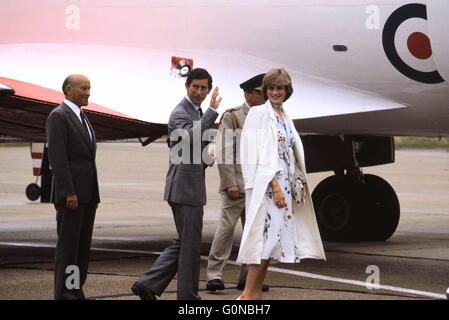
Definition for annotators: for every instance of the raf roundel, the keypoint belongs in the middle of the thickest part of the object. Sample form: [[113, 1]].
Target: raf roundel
[[419, 45], [411, 59]]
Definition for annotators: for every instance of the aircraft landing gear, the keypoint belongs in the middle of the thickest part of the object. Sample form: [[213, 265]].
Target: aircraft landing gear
[[33, 191], [356, 207], [41, 168]]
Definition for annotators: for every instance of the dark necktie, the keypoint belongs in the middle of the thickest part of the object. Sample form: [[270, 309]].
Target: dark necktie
[[83, 120], [200, 112]]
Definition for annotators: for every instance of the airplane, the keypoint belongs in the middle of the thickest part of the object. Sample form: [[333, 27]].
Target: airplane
[[363, 72]]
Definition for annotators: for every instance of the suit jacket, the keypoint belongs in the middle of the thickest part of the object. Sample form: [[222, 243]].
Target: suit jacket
[[185, 182], [71, 154], [227, 148], [259, 159]]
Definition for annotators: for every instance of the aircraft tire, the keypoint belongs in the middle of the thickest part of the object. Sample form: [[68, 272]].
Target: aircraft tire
[[337, 202], [33, 192], [382, 208]]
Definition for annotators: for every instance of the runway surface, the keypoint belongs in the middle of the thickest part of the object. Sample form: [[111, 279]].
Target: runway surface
[[134, 225]]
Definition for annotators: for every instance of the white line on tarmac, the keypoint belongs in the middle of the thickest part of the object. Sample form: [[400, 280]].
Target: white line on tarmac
[[358, 283], [273, 269], [352, 282]]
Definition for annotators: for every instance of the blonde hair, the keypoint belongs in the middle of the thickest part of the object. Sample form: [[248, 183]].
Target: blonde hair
[[277, 77]]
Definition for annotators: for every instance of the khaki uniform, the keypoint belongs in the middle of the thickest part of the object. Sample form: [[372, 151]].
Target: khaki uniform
[[227, 152]]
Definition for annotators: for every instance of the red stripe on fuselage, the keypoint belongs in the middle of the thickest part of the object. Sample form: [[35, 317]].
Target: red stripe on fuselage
[[32, 91]]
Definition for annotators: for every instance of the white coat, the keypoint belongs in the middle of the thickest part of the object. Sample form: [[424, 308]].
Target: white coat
[[259, 161]]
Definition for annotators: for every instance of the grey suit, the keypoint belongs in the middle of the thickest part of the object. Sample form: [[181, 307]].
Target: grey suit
[[185, 191], [71, 155]]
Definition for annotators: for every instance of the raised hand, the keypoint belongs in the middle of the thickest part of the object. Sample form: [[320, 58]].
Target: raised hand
[[215, 99]]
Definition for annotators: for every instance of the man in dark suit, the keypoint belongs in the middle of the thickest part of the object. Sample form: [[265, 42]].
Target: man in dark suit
[[185, 191], [71, 151]]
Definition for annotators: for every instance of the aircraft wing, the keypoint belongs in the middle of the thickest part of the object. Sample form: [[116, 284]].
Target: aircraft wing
[[25, 107]]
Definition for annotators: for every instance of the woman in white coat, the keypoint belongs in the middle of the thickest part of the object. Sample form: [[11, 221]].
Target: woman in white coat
[[280, 219]]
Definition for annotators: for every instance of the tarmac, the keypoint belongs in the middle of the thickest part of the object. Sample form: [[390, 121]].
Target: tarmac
[[133, 225]]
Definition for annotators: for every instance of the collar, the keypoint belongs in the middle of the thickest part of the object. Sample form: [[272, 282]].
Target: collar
[[73, 107], [269, 108], [246, 108], [194, 105]]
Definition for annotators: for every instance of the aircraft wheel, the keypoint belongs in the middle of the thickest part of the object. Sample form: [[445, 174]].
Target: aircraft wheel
[[382, 209], [33, 192], [337, 202]]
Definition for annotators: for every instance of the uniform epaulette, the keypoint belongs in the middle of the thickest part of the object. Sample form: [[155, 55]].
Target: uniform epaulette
[[228, 110], [233, 109]]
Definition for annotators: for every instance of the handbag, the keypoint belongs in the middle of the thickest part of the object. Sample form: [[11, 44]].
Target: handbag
[[298, 182]]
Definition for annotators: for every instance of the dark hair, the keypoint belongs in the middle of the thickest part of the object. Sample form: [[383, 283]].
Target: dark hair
[[199, 74], [67, 82]]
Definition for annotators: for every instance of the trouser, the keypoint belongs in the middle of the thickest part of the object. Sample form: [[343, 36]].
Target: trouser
[[74, 229], [231, 211], [182, 257]]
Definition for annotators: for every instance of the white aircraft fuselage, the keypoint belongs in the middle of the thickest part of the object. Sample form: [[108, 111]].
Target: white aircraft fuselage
[[359, 67]]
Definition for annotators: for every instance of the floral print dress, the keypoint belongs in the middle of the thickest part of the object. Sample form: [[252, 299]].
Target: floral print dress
[[279, 230]]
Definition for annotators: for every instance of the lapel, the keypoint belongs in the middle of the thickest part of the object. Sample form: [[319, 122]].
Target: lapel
[[270, 143], [271, 116], [190, 109], [79, 126], [92, 132]]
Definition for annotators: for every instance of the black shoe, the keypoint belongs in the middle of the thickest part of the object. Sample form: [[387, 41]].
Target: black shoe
[[214, 285], [241, 287], [80, 295], [138, 290]]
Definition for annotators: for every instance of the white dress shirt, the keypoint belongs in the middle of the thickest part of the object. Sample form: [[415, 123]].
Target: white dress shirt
[[196, 106], [77, 111]]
